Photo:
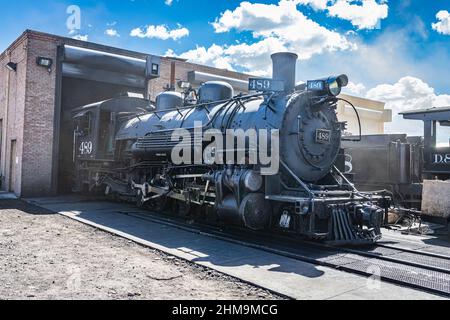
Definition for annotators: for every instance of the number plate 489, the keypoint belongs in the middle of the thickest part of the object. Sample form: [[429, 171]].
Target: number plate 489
[[323, 136], [260, 84], [86, 148]]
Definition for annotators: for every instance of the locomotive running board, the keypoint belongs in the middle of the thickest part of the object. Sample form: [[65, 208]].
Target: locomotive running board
[[294, 199]]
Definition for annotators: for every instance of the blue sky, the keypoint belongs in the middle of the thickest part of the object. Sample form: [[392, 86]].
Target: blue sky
[[397, 51], [410, 18]]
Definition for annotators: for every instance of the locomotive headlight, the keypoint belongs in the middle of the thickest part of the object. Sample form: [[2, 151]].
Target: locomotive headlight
[[335, 84], [331, 86], [334, 88]]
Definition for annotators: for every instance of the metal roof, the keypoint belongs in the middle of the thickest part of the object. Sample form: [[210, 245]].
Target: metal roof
[[120, 104], [431, 114]]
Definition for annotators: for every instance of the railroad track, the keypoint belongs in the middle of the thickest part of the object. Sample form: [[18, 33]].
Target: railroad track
[[417, 269]]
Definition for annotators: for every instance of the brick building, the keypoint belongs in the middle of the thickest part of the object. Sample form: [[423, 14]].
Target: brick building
[[43, 77]]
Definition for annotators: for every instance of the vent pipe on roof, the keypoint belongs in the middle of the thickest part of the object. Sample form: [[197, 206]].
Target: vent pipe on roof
[[173, 68]]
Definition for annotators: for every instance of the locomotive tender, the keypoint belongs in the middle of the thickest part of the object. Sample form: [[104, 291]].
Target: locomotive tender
[[125, 148], [400, 163], [387, 161]]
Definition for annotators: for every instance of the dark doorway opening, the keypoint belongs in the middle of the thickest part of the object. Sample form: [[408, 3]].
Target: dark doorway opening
[[76, 93]]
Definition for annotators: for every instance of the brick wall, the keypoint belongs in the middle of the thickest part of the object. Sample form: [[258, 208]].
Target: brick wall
[[182, 69], [12, 105], [3, 98], [39, 119]]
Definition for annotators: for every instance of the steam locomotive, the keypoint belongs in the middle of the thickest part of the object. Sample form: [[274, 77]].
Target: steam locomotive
[[126, 148]]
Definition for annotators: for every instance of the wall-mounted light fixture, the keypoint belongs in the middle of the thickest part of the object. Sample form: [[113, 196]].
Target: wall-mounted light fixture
[[45, 62], [11, 66]]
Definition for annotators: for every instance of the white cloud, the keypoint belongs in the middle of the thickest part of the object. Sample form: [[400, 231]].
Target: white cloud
[[168, 2], [315, 4], [112, 32], [258, 17], [443, 24], [364, 15], [160, 32], [254, 58], [388, 57], [213, 56], [81, 37], [409, 93], [275, 27], [356, 89]]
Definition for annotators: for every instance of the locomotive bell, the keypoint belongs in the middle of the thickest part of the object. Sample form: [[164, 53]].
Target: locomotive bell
[[284, 67]]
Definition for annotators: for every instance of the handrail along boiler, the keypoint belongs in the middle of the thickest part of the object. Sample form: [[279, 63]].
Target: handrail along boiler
[[127, 153]]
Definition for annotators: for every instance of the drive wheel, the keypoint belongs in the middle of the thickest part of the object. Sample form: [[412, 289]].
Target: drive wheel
[[159, 204], [139, 201], [183, 208]]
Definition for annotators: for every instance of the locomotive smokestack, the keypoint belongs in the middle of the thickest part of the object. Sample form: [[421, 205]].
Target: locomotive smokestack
[[284, 65]]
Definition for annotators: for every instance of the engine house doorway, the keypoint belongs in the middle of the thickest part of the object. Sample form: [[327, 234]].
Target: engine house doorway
[[86, 77]]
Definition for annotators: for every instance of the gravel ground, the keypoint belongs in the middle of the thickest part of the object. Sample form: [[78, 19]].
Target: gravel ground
[[48, 256]]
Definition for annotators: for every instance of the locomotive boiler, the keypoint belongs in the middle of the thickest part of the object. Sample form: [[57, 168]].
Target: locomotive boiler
[[267, 160]]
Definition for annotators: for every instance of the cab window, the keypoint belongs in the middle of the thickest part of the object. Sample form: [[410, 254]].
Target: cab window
[[85, 125], [107, 133]]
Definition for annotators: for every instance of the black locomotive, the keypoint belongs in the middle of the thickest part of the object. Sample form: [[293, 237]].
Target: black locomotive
[[124, 148]]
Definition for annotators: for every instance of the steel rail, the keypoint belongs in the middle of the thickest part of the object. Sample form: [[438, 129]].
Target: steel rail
[[414, 251], [289, 251], [392, 259]]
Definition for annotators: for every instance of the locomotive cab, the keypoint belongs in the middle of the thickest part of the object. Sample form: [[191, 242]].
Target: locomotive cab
[[94, 134], [95, 128], [96, 125], [83, 133]]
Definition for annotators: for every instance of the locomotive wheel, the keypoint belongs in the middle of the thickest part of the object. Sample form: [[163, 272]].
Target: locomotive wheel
[[255, 211], [139, 199], [183, 208], [139, 202], [158, 205]]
